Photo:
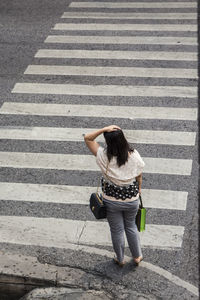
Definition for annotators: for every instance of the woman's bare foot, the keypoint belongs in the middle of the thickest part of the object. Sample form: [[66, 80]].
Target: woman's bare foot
[[137, 260], [120, 264]]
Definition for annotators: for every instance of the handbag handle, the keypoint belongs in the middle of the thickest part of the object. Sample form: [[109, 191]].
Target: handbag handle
[[141, 204], [100, 178]]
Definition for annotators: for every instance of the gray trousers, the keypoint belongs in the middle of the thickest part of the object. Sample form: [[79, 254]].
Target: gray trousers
[[121, 217]]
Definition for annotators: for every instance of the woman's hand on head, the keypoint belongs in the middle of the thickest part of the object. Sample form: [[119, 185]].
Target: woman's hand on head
[[90, 137], [112, 128]]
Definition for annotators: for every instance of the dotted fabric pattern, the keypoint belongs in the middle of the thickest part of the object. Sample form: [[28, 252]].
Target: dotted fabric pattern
[[119, 192]]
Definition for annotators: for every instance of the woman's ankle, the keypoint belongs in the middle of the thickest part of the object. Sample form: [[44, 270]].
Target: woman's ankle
[[138, 259], [121, 263]]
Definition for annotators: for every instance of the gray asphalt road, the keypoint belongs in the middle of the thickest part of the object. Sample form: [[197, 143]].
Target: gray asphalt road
[[24, 25]]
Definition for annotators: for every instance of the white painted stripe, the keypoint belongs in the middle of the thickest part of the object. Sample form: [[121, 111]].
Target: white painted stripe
[[166, 274], [158, 236], [165, 199], [58, 232], [87, 162], [138, 15], [110, 71], [105, 90], [162, 199], [130, 112], [76, 134], [98, 4], [132, 40], [122, 27], [101, 54]]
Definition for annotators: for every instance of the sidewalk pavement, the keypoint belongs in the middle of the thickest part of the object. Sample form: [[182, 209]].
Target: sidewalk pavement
[[24, 276]]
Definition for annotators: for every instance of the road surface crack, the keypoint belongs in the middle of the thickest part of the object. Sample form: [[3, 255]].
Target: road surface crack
[[84, 225]]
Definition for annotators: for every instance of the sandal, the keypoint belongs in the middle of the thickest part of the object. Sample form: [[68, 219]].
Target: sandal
[[137, 262], [120, 264]]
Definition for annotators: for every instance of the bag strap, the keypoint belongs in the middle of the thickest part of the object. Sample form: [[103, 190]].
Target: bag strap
[[100, 178], [141, 204]]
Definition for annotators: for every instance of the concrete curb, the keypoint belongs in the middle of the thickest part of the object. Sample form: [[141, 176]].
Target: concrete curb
[[24, 276], [20, 274], [65, 294]]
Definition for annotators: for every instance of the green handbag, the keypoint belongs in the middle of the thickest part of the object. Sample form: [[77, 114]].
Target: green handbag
[[141, 216]]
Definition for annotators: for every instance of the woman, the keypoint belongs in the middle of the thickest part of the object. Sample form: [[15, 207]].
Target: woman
[[121, 185]]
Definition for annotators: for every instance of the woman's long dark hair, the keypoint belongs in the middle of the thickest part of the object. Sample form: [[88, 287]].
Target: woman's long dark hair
[[118, 146]]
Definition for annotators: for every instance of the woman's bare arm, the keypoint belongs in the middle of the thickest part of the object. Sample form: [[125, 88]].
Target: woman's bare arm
[[139, 180]]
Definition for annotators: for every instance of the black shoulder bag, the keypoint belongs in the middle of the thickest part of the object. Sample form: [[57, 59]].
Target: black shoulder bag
[[97, 206]]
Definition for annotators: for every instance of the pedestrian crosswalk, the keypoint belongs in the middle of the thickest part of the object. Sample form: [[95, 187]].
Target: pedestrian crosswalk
[[76, 134], [103, 54], [122, 27], [132, 15], [130, 4], [59, 232], [79, 195], [75, 110], [105, 90], [133, 40], [117, 34], [109, 71], [87, 162]]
